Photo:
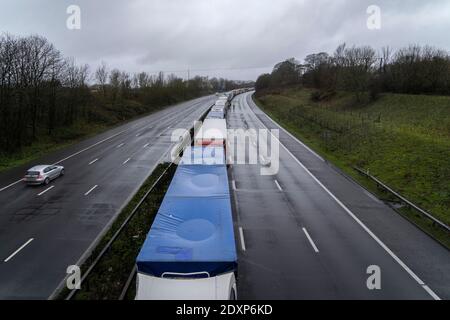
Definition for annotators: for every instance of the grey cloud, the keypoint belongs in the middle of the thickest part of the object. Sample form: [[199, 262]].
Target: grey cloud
[[221, 34]]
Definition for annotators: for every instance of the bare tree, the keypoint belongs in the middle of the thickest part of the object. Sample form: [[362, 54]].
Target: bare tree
[[355, 66], [386, 56], [125, 84], [101, 75], [41, 56], [114, 82], [41, 91], [8, 52], [144, 80]]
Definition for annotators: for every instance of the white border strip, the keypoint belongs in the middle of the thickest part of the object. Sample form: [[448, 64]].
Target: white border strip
[[40, 194], [278, 185], [310, 240], [90, 190], [17, 251], [241, 234]]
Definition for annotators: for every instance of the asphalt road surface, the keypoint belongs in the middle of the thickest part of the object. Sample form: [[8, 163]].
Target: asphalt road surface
[[45, 229], [309, 232]]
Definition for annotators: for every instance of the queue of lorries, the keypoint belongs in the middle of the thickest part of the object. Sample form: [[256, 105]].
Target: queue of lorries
[[190, 250]]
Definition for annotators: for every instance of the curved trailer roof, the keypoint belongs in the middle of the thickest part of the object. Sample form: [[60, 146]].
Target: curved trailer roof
[[203, 155], [216, 115], [193, 230], [212, 129]]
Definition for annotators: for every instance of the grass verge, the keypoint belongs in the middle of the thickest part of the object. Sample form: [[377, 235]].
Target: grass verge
[[46, 144]]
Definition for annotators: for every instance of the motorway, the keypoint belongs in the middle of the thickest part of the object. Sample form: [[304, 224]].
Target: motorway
[[45, 229], [310, 232]]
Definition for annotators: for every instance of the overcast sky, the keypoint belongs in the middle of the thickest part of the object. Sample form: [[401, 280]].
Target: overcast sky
[[236, 39]]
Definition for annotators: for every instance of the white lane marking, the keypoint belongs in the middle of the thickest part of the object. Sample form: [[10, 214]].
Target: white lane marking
[[71, 156], [120, 145], [90, 147], [10, 185], [146, 145], [233, 183], [40, 194], [311, 241], [278, 185], [430, 292], [241, 234], [90, 190], [351, 214], [126, 161], [17, 251], [93, 161]]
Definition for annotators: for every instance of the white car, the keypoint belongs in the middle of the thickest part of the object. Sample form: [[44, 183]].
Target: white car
[[43, 174]]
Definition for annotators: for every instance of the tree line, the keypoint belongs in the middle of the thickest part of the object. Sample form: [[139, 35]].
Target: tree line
[[42, 91], [413, 70]]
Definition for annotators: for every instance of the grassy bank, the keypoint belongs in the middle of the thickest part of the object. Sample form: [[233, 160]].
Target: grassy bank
[[404, 140]]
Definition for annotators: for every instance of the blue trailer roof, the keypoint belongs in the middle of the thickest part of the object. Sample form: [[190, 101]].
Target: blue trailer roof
[[199, 181], [193, 230]]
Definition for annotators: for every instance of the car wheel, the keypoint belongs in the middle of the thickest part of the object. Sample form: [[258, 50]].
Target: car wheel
[[46, 181], [62, 172]]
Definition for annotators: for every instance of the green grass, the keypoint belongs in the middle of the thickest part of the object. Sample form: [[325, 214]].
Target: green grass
[[404, 140], [46, 144]]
